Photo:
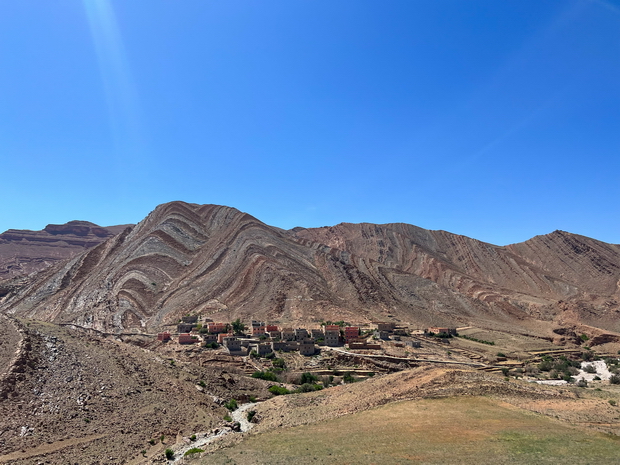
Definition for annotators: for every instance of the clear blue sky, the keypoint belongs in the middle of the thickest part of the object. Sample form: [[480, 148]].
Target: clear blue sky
[[499, 120]]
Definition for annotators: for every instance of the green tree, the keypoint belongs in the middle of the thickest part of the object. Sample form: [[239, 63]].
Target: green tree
[[237, 326]]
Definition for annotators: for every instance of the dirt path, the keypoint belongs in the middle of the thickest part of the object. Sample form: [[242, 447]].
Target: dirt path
[[203, 439], [47, 448]]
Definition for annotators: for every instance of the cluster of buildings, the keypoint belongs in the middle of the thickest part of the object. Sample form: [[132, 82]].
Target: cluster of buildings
[[263, 338]]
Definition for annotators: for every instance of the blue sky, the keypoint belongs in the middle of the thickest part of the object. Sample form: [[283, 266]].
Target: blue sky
[[499, 120]]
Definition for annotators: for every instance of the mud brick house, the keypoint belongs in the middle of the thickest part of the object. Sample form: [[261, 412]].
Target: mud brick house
[[274, 334], [279, 345], [262, 349], [288, 334], [332, 335], [216, 328], [185, 327], [209, 338], [385, 326], [232, 344], [306, 347], [186, 338], [165, 336], [317, 333], [441, 329]]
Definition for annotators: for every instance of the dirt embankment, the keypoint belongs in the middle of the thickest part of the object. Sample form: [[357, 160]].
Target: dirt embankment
[[14, 346]]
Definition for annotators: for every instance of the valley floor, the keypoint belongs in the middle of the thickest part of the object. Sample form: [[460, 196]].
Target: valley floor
[[463, 430]]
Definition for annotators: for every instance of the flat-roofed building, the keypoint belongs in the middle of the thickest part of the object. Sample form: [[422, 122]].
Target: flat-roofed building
[[186, 338], [306, 347], [332, 335], [351, 333], [216, 328], [232, 344], [258, 330], [288, 334], [262, 348]]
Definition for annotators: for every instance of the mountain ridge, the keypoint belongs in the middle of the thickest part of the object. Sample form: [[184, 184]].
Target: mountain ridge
[[223, 263]]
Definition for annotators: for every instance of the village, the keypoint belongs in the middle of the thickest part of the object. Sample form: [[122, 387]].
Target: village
[[261, 338], [372, 348]]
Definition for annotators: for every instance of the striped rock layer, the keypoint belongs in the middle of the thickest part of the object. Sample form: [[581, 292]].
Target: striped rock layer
[[223, 264]]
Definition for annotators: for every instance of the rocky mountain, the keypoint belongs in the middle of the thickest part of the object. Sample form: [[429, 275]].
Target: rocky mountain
[[23, 252], [222, 263]]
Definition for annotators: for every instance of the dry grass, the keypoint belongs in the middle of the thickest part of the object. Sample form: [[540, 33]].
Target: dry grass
[[452, 430]]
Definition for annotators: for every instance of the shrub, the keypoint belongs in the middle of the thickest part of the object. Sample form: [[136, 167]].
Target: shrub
[[582, 383], [278, 390], [475, 339], [161, 438], [227, 417], [589, 369], [252, 398], [584, 337], [587, 356], [212, 345], [266, 375], [615, 379], [612, 402], [251, 414], [201, 383], [192, 437], [193, 450], [348, 377], [501, 354], [505, 371], [169, 454], [152, 442], [231, 405], [308, 378], [278, 363], [544, 366], [597, 378], [306, 387]]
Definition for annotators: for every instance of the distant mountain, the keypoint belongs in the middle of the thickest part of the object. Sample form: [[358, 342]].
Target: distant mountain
[[23, 252], [219, 262]]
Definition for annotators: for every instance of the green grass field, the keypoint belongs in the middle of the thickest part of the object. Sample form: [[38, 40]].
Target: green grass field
[[464, 430]]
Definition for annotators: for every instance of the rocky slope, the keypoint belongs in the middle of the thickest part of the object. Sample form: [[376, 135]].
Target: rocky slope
[[79, 397], [23, 252], [222, 263], [544, 277]]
